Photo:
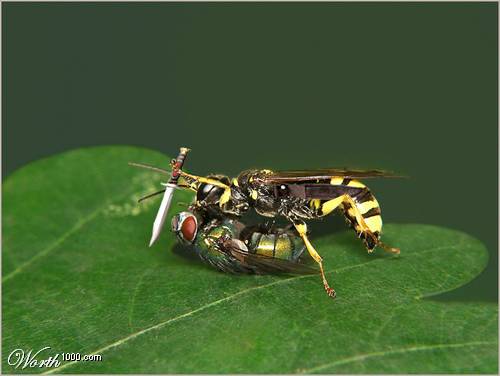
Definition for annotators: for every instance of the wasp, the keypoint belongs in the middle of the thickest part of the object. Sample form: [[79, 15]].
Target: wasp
[[297, 196]]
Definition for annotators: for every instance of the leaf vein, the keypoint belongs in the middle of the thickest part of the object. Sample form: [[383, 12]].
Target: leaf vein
[[363, 357], [61, 239], [228, 298], [134, 295], [78, 225]]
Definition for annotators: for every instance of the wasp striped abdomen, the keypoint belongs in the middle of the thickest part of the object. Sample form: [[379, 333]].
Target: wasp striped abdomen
[[359, 206]]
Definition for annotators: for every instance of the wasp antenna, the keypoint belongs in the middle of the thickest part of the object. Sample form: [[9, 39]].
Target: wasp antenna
[[149, 167], [151, 195]]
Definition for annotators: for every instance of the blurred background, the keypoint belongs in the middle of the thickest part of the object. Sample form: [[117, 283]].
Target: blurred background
[[410, 87]]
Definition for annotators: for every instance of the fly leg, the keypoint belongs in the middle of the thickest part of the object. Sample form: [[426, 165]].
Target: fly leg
[[301, 228]]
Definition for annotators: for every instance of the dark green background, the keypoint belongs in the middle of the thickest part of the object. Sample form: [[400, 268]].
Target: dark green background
[[404, 86]]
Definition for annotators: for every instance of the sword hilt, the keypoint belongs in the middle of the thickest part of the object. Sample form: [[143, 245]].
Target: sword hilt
[[177, 165]]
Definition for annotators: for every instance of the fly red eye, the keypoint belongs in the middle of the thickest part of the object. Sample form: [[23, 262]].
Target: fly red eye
[[188, 228]]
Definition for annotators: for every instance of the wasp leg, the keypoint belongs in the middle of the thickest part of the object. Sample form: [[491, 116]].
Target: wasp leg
[[372, 239], [301, 228]]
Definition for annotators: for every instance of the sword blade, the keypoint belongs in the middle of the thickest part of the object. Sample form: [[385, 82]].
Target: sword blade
[[162, 212]]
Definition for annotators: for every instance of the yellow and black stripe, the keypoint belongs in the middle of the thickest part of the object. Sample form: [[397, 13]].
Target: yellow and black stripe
[[359, 206]]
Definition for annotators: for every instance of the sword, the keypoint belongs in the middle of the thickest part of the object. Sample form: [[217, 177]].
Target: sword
[[167, 196]]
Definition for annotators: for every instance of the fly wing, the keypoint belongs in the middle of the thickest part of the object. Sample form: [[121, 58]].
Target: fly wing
[[261, 264], [322, 174]]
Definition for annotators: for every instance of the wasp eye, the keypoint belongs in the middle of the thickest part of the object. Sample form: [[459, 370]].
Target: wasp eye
[[281, 190]]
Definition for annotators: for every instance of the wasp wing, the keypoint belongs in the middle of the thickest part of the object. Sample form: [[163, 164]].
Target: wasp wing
[[316, 184], [328, 173], [318, 191]]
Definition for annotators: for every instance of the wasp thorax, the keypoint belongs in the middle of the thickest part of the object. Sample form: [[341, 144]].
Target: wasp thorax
[[185, 226]]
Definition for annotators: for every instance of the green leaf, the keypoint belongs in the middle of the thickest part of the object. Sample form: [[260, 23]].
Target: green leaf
[[78, 277]]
